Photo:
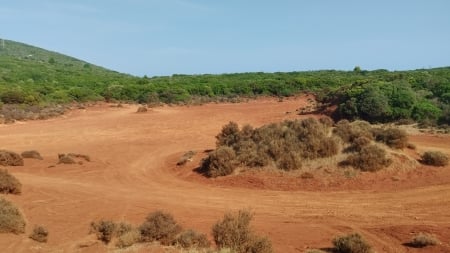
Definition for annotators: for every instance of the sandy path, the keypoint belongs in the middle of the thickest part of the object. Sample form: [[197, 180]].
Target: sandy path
[[130, 176]]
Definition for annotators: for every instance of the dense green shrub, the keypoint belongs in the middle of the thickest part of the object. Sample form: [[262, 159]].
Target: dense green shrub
[[11, 220], [234, 232], [9, 183], [435, 158], [351, 243], [160, 226]]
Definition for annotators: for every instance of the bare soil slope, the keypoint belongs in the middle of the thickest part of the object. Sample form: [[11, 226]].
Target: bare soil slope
[[132, 172]]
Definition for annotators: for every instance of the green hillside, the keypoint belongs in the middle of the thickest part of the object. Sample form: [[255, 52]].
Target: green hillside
[[34, 76]]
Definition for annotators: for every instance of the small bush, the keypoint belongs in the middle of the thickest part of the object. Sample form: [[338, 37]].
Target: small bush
[[393, 137], [192, 239], [80, 156], [104, 229], [352, 243], [128, 238], [350, 131], [435, 158], [142, 109], [9, 158], [369, 158], [423, 239], [65, 159], [220, 162], [234, 232], [9, 183], [159, 226], [11, 220], [39, 234], [33, 154], [359, 143]]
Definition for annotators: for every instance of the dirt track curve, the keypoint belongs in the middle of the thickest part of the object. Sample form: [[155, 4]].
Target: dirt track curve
[[132, 173]]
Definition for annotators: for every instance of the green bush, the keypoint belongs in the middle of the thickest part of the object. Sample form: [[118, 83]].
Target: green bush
[[39, 234], [369, 158], [11, 220], [435, 158], [352, 243], [192, 239], [234, 232], [9, 183], [160, 226], [423, 239]]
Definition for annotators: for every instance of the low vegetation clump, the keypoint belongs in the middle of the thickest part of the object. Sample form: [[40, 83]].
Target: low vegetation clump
[[187, 157], [234, 232], [142, 109], [351, 243], [368, 158], [104, 229], [192, 239], [9, 183], [33, 154], [11, 220], [283, 145], [435, 158], [128, 238], [9, 158], [39, 234], [160, 226], [393, 137], [422, 240], [72, 158]]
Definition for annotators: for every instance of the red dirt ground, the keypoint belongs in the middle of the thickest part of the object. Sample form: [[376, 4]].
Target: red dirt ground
[[133, 172]]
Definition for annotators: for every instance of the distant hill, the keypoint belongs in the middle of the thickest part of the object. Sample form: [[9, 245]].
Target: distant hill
[[34, 76]]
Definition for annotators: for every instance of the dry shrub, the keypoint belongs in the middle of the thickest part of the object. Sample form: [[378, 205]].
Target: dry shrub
[[187, 157], [39, 234], [80, 156], [159, 226], [33, 154], [327, 121], [11, 220], [289, 161], [142, 109], [358, 144], [9, 183], [104, 229], [369, 158], [9, 158], [128, 238], [352, 243], [350, 131], [422, 240], [192, 239], [435, 158], [234, 232], [220, 162], [393, 137], [65, 159], [229, 135]]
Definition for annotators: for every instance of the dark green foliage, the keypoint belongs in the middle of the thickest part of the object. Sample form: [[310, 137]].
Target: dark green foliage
[[283, 144], [369, 158], [435, 158], [9, 183], [160, 226], [11, 220], [234, 232], [192, 239], [39, 234], [352, 243]]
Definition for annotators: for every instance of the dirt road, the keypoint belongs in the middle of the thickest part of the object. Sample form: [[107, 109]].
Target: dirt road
[[132, 173]]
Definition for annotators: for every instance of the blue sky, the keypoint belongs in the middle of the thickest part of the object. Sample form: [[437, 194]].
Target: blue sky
[[164, 37]]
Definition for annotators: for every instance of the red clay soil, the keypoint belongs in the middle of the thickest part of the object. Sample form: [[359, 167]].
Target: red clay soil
[[133, 172]]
